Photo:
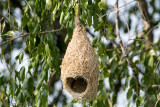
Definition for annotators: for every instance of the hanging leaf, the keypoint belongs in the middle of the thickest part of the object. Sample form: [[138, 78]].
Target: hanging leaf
[[11, 33], [28, 84], [102, 4], [19, 98], [21, 57], [54, 13], [129, 93], [22, 73], [3, 26], [61, 18]]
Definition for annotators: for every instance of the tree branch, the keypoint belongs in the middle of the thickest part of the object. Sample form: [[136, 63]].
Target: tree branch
[[123, 50], [52, 80], [5, 61], [146, 19], [26, 34]]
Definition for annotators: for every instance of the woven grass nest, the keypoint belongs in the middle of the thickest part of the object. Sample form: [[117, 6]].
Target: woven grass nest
[[79, 69]]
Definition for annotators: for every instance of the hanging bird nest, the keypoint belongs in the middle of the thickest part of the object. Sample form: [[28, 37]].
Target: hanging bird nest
[[79, 69]]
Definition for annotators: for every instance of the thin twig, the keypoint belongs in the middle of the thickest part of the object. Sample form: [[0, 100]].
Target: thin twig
[[28, 5], [51, 31], [152, 29], [52, 79], [5, 61], [153, 86], [123, 50], [157, 65], [25, 34], [112, 10], [9, 21], [146, 41], [13, 67], [125, 22], [156, 103], [18, 36], [141, 34], [4, 15]]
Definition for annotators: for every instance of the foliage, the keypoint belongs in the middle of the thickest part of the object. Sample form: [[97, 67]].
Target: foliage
[[31, 85]]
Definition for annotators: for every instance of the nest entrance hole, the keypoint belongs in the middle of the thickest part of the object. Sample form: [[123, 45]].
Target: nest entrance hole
[[78, 84]]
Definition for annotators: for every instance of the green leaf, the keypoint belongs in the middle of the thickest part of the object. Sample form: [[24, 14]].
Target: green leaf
[[39, 84], [95, 20], [110, 34], [28, 84], [132, 82], [100, 103], [128, 79], [31, 42], [100, 86], [76, 8], [40, 48], [44, 98], [89, 19], [43, 3], [66, 38], [54, 13], [102, 4], [94, 40], [39, 103], [67, 16], [105, 72], [21, 57], [151, 90], [24, 20], [36, 29], [48, 3], [11, 33], [128, 105], [103, 93], [94, 104], [141, 99], [70, 25], [69, 32], [22, 73], [36, 2], [12, 86], [47, 50], [114, 98], [113, 65], [151, 61], [3, 26], [61, 18], [74, 101], [129, 93], [84, 15], [44, 74], [84, 3], [19, 98], [158, 96], [2, 80], [15, 23], [33, 27], [107, 102], [46, 67]]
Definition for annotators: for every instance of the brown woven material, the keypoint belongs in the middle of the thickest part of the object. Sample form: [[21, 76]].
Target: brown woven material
[[79, 69]]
